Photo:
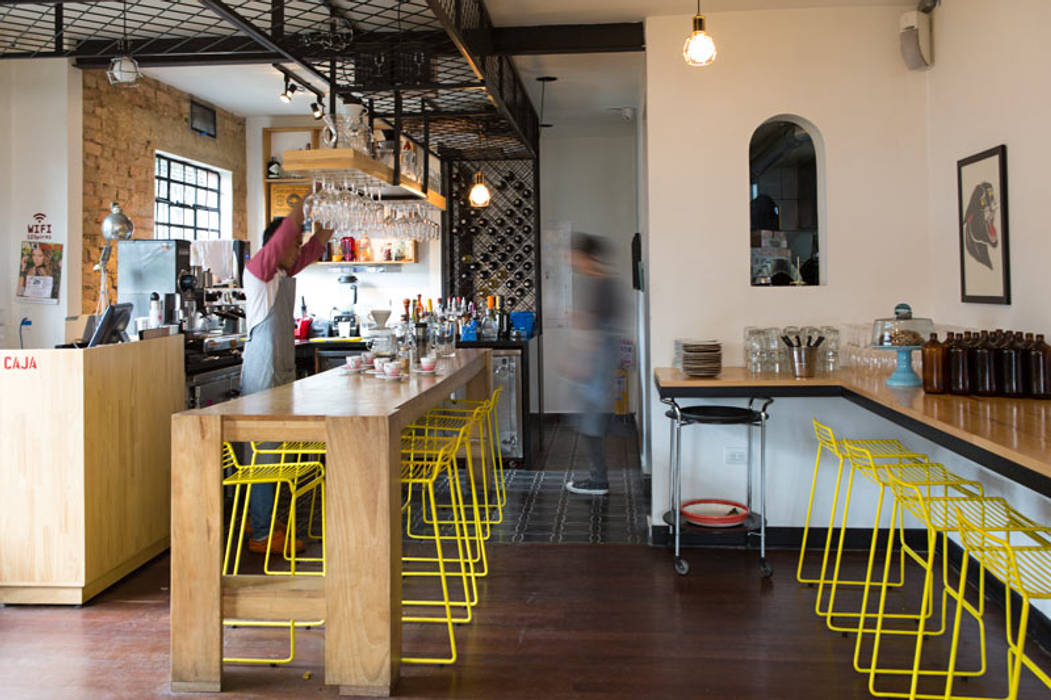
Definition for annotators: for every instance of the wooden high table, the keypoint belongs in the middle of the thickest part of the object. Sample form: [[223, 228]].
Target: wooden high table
[[1009, 436], [361, 419]]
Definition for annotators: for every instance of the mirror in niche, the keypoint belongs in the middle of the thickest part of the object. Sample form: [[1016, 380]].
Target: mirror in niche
[[784, 206]]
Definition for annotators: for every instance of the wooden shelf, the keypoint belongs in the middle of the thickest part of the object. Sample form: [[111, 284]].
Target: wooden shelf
[[295, 180], [351, 164], [370, 263]]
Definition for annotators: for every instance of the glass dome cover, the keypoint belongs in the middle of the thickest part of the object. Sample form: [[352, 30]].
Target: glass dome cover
[[902, 330]]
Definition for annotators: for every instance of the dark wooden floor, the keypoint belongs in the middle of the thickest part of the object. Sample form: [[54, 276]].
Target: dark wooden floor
[[555, 621]]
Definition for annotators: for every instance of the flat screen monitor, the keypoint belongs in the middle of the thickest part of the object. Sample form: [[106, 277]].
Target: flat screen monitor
[[110, 328]]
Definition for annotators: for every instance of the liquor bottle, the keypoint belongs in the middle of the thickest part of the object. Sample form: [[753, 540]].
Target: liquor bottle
[[972, 341], [489, 328], [1011, 361], [986, 380], [959, 372], [1038, 358], [503, 321], [933, 354]]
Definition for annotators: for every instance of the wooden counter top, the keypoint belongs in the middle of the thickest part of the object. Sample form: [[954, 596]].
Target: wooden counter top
[[1017, 431], [336, 393]]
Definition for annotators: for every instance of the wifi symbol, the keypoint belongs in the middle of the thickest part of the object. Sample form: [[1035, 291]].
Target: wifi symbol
[[39, 217]]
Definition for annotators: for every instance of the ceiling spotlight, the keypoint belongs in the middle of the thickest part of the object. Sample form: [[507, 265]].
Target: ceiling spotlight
[[290, 89], [316, 110], [479, 195], [699, 48]]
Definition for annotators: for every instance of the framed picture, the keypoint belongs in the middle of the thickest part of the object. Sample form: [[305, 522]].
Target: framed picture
[[985, 272]]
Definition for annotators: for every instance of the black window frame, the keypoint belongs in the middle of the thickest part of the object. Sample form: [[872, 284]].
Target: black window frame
[[163, 182]]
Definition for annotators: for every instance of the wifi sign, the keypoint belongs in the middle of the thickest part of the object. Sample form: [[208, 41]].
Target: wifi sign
[[39, 230]]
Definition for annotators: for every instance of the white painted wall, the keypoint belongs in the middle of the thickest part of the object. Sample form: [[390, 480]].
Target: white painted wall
[[588, 179], [988, 86], [376, 286], [41, 140], [839, 68]]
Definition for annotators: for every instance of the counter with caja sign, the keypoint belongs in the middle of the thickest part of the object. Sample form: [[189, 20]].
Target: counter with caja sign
[[85, 455]]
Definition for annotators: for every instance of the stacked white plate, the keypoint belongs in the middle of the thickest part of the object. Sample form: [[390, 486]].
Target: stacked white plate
[[699, 358]]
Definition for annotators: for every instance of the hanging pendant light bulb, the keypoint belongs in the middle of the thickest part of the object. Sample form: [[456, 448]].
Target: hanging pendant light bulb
[[479, 196], [699, 48], [124, 70]]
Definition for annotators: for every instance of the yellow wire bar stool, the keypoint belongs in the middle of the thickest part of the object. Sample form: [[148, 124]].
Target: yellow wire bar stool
[[298, 452], [300, 476], [924, 474], [428, 458], [427, 438], [882, 450], [938, 512], [1024, 567], [486, 436]]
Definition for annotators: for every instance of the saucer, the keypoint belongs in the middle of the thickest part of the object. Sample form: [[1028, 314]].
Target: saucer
[[389, 378], [424, 371], [351, 370]]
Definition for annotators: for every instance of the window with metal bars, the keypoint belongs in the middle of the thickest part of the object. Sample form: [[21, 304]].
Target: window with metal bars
[[186, 200]]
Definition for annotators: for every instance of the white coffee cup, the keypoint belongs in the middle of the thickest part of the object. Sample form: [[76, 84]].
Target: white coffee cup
[[367, 357], [355, 361], [392, 368], [427, 363]]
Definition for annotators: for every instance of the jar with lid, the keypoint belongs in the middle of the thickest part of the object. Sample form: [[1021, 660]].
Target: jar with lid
[[933, 355], [1038, 358]]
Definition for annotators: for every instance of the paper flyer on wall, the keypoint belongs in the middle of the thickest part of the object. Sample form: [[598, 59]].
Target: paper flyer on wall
[[39, 272]]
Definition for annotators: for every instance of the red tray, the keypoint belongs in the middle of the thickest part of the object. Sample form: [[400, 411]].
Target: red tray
[[714, 512]]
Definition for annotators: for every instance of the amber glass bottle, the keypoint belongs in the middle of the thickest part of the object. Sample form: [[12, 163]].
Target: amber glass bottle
[[986, 380], [1039, 360], [959, 371], [1011, 360], [933, 355]]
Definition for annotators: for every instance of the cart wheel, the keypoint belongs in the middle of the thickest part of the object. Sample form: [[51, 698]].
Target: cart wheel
[[765, 569], [682, 567]]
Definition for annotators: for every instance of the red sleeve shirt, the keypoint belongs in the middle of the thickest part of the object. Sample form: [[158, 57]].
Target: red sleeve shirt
[[264, 264]]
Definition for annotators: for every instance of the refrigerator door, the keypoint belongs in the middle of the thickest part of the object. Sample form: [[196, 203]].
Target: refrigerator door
[[507, 373], [146, 266]]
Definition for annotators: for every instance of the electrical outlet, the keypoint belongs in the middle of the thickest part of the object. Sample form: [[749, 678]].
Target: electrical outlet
[[734, 455]]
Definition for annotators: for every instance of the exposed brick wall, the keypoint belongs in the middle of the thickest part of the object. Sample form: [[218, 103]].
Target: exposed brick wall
[[123, 129]]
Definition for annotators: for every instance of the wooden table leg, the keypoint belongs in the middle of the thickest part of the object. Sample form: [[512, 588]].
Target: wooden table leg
[[363, 551], [480, 386], [197, 525]]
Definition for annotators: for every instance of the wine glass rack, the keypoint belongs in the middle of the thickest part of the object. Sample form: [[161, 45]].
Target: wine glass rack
[[495, 249]]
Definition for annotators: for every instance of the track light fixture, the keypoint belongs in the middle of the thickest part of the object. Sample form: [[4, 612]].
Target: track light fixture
[[317, 110], [479, 196], [699, 48], [290, 89]]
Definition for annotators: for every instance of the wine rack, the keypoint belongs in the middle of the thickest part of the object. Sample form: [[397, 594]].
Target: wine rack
[[495, 249]]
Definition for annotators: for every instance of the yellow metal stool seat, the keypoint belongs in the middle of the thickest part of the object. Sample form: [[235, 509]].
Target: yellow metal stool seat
[[430, 457], [296, 452], [938, 510], [921, 473], [486, 436], [1023, 564], [300, 477], [882, 450]]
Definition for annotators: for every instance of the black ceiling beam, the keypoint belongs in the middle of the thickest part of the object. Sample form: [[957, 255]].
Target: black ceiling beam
[[294, 77], [201, 59], [51, 2], [568, 38], [422, 87], [234, 19]]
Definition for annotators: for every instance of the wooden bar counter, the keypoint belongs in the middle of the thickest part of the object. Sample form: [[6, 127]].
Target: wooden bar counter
[[1009, 436], [360, 418], [84, 459]]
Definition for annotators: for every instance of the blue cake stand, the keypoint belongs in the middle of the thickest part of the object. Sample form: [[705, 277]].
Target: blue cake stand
[[904, 375]]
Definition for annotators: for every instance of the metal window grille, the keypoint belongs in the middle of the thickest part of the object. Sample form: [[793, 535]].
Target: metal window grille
[[186, 201]]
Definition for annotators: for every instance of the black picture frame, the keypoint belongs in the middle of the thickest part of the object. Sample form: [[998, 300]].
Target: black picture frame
[[982, 229], [202, 119]]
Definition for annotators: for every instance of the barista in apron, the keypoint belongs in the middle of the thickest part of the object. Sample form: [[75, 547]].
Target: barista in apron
[[270, 353]]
